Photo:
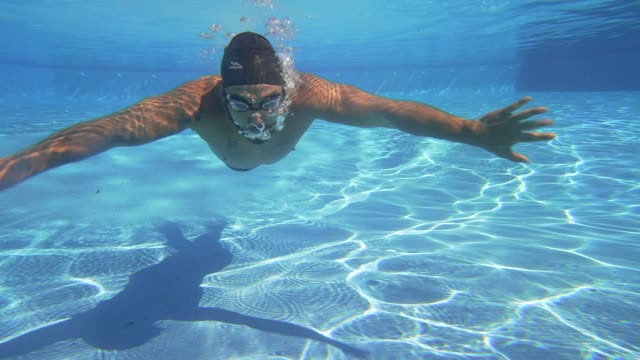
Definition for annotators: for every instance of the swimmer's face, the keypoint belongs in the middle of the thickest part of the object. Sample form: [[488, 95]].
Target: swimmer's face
[[254, 104]]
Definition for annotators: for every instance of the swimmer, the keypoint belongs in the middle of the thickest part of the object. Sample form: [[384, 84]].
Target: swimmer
[[249, 117]]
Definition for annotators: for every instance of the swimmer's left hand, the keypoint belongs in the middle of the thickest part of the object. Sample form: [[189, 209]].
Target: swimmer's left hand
[[501, 129]]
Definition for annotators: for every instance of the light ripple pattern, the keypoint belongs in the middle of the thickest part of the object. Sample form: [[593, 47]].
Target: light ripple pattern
[[406, 247]]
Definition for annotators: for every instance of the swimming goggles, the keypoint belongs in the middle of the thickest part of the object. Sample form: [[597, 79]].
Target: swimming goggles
[[269, 104], [256, 133]]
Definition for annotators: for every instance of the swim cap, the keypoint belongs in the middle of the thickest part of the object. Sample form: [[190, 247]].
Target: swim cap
[[250, 59]]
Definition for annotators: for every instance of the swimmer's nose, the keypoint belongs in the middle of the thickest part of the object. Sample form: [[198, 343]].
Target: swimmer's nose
[[257, 118]]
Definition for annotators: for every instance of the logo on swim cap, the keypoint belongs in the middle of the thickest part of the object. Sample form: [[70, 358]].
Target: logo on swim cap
[[235, 66]]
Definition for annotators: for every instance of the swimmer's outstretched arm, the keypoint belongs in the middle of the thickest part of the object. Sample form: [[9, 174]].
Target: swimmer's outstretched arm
[[146, 121], [496, 131]]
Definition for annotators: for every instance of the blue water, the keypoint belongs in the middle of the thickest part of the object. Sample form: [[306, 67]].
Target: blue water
[[361, 243]]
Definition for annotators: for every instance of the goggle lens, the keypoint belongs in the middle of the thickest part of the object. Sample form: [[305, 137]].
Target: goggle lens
[[269, 104]]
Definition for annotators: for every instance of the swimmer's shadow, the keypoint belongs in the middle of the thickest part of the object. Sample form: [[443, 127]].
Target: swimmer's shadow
[[169, 290]]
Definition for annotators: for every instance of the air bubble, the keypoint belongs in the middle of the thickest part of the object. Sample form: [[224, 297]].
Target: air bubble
[[282, 29], [206, 36], [263, 3]]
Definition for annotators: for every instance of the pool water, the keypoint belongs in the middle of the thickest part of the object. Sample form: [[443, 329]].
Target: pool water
[[361, 243]]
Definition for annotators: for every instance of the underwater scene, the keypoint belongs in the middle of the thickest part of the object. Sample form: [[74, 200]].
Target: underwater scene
[[365, 241]]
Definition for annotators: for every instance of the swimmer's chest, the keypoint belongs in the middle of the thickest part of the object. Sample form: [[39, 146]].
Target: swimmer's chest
[[230, 146]]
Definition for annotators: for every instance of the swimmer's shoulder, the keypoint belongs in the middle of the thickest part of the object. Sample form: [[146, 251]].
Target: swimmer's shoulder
[[202, 85], [310, 81], [200, 93], [315, 92]]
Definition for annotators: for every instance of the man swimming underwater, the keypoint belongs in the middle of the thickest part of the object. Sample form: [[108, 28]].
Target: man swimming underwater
[[249, 118]]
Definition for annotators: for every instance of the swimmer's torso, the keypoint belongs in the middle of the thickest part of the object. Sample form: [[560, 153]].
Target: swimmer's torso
[[215, 127], [237, 152]]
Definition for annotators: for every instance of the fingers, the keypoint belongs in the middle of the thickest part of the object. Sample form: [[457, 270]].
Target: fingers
[[530, 137], [513, 107], [528, 113], [531, 125], [518, 157]]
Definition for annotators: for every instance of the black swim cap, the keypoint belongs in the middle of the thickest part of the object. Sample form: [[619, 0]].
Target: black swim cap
[[250, 59]]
